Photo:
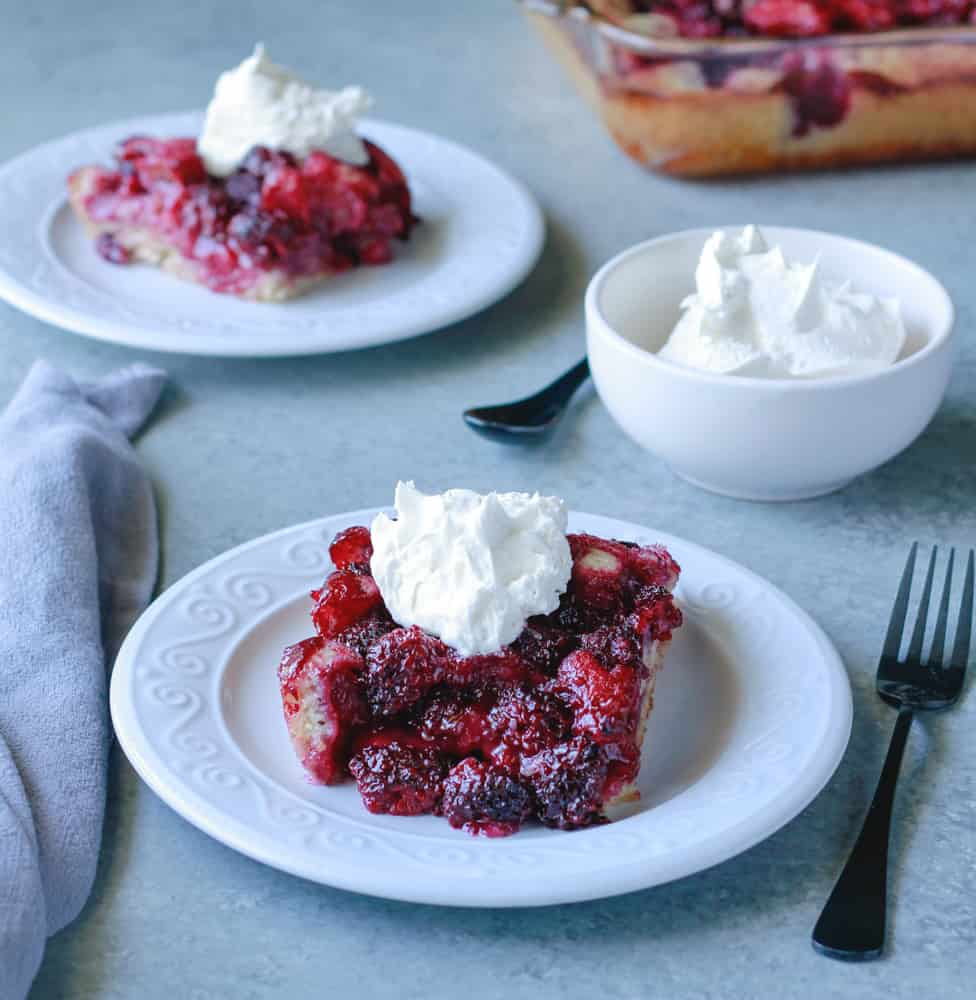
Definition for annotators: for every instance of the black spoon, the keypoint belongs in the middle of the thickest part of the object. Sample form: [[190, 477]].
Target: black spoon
[[532, 416]]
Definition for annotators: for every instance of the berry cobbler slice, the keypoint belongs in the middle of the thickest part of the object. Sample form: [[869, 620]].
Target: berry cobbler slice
[[548, 727], [272, 228]]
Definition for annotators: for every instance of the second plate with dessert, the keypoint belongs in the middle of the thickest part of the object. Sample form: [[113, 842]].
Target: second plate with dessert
[[480, 235], [752, 714]]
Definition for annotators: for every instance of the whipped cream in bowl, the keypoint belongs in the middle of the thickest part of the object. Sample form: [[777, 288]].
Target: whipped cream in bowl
[[772, 363], [471, 568], [259, 103], [756, 312]]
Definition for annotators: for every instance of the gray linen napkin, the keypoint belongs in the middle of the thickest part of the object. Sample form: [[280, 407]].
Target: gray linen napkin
[[78, 559]]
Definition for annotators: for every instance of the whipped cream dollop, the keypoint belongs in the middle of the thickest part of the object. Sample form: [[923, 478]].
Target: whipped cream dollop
[[757, 313], [471, 568], [261, 104]]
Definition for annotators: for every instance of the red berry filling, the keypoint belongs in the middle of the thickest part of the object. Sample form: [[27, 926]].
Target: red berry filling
[[527, 720], [481, 798], [274, 213], [819, 91], [352, 549], [797, 18], [399, 779], [345, 599], [546, 727], [567, 783], [455, 722], [604, 702], [402, 667]]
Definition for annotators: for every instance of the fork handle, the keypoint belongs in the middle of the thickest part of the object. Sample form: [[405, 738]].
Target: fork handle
[[852, 924]]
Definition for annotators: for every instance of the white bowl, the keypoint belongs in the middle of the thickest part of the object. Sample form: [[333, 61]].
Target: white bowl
[[755, 438]]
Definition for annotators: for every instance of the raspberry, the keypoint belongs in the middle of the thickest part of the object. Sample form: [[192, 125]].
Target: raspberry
[[454, 724], [922, 11], [402, 667], [543, 646], [603, 700], [613, 644], [386, 167], [480, 798], [575, 617], [504, 667], [344, 599], [366, 631], [284, 191], [173, 160], [352, 549], [865, 15], [790, 18], [567, 783], [371, 251], [327, 174], [528, 720], [398, 779]]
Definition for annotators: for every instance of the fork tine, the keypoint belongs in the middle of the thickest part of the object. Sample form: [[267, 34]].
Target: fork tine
[[918, 634], [896, 625], [960, 650], [938, 640]]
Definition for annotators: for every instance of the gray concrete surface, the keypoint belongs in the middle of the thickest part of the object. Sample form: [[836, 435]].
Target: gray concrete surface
[[243, 447]]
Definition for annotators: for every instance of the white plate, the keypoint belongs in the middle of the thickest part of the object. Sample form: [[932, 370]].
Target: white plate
[[481, 234], [753, 712]]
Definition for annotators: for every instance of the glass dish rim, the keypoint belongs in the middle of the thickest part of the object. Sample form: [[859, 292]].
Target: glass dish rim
[[740, 46]]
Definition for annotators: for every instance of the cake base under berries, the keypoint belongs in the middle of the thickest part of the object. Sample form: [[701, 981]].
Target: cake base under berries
[[548, 728], [272, 229]]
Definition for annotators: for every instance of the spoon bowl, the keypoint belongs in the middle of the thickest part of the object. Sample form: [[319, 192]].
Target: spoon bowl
[[531, 417]]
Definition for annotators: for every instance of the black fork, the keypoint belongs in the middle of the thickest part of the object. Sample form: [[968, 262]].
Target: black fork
[[852, 925]]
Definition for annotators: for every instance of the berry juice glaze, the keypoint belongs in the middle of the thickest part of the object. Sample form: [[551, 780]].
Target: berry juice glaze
[[273, 213], [544, 728], [819, 90]]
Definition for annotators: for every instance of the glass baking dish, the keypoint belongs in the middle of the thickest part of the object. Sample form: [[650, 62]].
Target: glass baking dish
[[699, 107]]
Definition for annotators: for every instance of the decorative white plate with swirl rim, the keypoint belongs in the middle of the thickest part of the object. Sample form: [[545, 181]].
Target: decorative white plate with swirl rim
[[752, 715], [482, 233]]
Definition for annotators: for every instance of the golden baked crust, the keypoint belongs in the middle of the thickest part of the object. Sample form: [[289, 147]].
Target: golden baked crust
[[668, 119], [699, 135]]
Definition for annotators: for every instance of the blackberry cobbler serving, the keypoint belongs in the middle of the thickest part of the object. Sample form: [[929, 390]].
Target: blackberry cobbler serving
[[277, 193], [473, 660]]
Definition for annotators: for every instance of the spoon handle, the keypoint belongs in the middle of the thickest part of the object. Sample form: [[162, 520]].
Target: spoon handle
[[559, 393]]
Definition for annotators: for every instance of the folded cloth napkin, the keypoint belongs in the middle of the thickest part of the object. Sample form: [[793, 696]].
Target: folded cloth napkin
[[78, 560]]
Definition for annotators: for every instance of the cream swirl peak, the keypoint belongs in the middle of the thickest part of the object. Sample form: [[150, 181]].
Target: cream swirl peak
[[756, 313], [261, 104], [471, 568]]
